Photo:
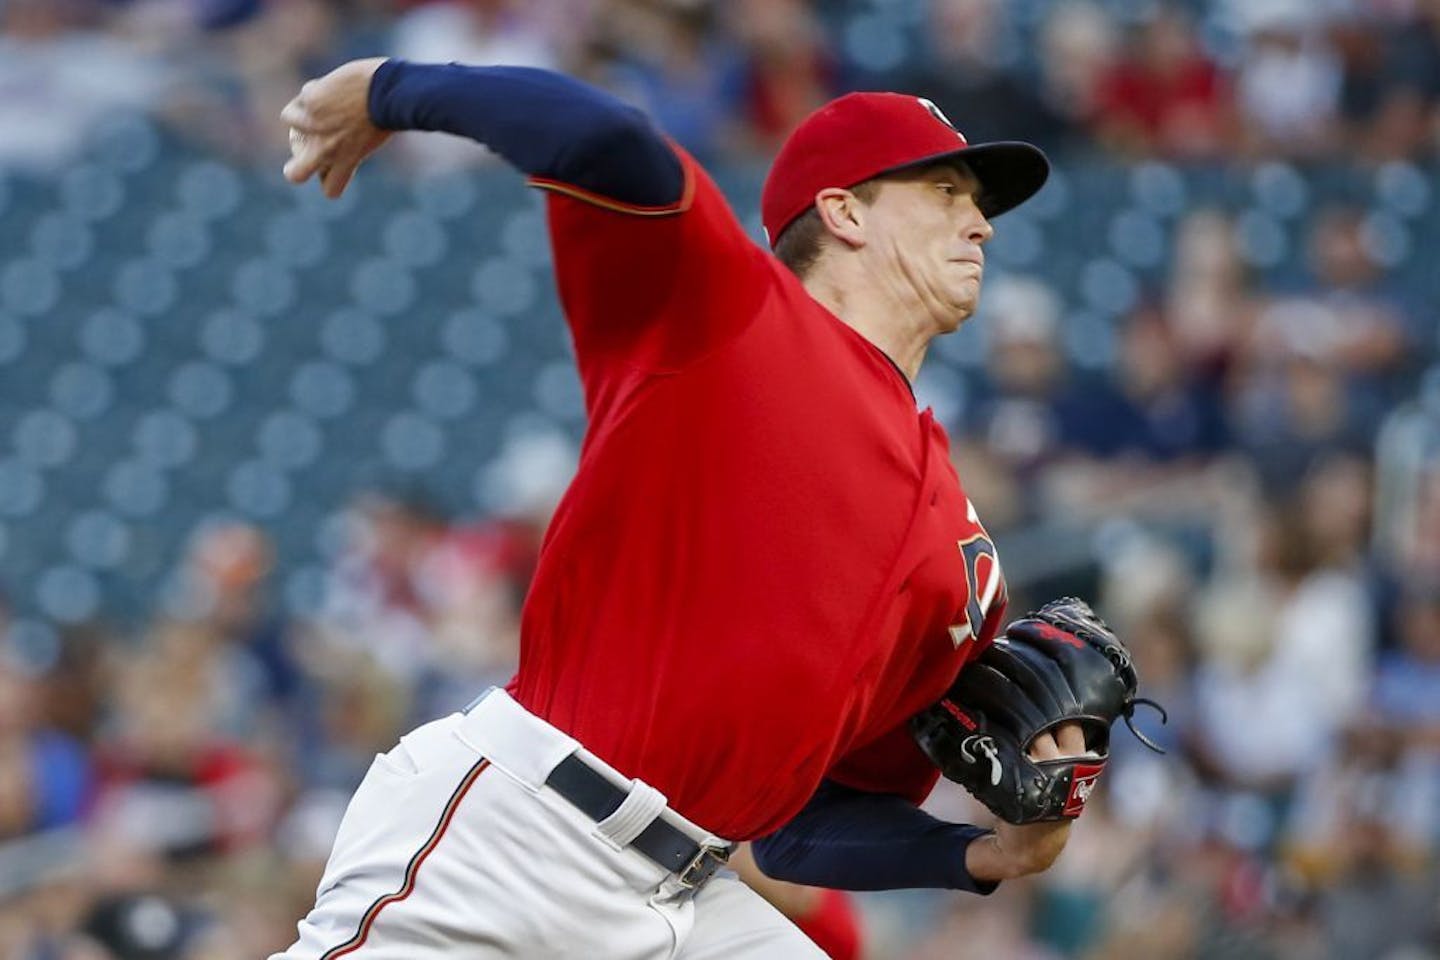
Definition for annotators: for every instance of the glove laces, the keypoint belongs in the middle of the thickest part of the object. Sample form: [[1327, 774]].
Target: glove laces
[[1129, 713]]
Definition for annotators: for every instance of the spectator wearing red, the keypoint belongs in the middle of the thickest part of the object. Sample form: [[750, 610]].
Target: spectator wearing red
[[170, 783], [789, 67], [1164, 97]]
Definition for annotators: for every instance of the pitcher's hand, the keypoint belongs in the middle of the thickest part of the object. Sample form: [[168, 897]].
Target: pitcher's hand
[[1017, 851], [330, 128]]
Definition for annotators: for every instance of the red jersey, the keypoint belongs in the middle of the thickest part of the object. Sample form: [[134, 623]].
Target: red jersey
[[766, 563]]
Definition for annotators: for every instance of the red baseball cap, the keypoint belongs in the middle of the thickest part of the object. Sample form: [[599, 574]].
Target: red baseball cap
[[863, 135]]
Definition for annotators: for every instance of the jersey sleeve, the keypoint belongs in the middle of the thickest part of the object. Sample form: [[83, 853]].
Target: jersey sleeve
[[656, 287], [543, 123], [855, 840]]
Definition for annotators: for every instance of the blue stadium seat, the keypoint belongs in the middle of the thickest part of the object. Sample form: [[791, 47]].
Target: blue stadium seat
[[209, 190], [444, 390], [14, 339], [289, 439], [1405, 189], [81, 390], [67, 593], [29, 287], [145, 287], [233, 338], [1018, 242], [45, 439], [383, 286], [447, 196], [264, 286], [111, 338], [525, 238], [1159, 188], [62, 240], [179, 240], [135, 489], [98, 539], [24, 487], [1139, 240], [322, 389], [412, 442], [258, 490], [296, 238], [1264, 242], [201, 390], [414, 239], [165, 438], [91, 192], [504, 286], [353, 336], [1280, 190], [1108, 287]]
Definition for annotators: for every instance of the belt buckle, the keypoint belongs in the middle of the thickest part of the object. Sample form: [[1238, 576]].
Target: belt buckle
[[708, 859]]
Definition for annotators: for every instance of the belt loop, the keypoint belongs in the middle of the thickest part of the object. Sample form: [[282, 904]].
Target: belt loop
[[478, 700], [642, 804]]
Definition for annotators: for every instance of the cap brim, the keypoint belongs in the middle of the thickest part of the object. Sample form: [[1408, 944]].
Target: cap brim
[[1010, 171]]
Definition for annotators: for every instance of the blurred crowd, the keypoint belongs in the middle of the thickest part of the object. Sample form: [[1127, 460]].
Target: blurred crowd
[[1277, 582], [1249, 488], [214, 750], [1196, 80]]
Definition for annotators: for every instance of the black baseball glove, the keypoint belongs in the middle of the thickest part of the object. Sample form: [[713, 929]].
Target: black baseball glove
[[1060, 664]]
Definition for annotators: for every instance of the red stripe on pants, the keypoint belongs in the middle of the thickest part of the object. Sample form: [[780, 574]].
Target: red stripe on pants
[[367, 922]]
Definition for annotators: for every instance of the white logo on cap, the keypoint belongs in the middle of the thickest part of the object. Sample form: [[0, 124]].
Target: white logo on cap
[[938, 114]]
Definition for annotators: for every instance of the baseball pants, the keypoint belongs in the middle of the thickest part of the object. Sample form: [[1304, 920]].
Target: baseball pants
[[453, 847]]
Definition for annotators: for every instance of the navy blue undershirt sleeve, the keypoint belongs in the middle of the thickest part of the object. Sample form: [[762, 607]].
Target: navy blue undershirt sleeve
[[546, 124], [848, 839]]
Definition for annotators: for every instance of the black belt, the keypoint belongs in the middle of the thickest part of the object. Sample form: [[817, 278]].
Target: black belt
[[589, 790]]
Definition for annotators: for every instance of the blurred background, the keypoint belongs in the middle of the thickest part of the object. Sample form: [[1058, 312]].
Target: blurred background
[[273, 469]]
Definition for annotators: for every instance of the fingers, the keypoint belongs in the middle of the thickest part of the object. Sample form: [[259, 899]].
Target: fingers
[[1066, 740], [1044, 747], [333, 159], [330, 128], [334, 180], [295, 116], [306, 157], [302, 166], [1071, 739]]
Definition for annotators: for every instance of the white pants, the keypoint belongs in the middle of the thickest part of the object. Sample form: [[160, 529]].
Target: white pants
[[452, 848]]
